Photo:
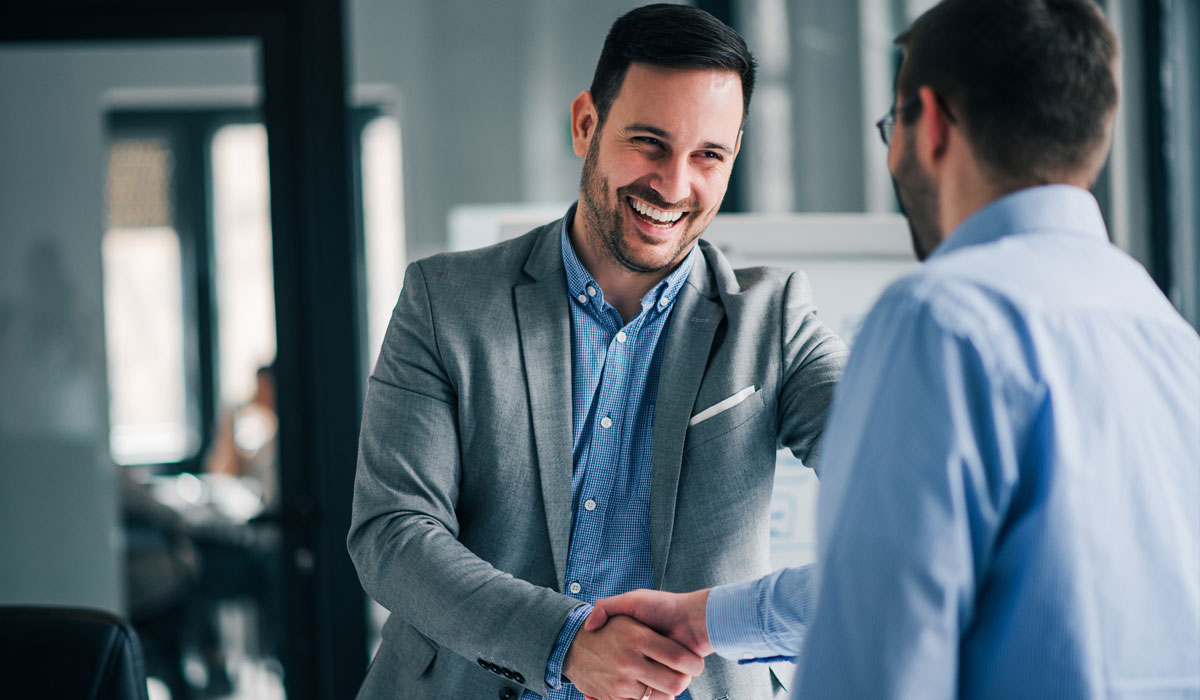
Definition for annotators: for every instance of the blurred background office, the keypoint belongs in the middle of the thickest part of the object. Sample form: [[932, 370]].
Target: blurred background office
[[206, 209]]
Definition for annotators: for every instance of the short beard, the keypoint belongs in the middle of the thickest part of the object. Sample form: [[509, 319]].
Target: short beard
[[918, 198], [604, 222]]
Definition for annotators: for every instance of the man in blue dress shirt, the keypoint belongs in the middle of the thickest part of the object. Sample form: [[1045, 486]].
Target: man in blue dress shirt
[[1010, 502]]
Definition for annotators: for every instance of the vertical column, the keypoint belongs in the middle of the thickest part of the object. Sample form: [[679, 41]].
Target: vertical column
[[827, 107], [318, 263]]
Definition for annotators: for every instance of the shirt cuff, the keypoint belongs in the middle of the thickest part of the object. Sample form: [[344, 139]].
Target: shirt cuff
[[740, 626], [733, 622], [562, 643]]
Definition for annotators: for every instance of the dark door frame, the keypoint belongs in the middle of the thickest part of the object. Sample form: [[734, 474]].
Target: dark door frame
[[317, 258]]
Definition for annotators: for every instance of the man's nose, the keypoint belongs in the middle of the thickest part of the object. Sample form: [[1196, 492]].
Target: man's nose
[[673, 183]]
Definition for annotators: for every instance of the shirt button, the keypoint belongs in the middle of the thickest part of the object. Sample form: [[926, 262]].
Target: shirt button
[[576, 588], [606, 422], [589, 504], [582, 299], [621, 336], [591, 291]]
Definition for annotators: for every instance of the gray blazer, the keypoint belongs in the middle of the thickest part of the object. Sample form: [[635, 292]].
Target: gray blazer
[[462, 499]]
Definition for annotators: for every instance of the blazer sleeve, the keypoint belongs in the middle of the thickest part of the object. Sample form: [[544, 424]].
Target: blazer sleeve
[[404, 529], [812, 364]]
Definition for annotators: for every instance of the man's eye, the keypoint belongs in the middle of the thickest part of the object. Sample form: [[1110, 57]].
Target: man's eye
[[650, 141], [711, 155]]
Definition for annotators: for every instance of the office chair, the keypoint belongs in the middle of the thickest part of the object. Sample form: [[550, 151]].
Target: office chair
[[68, 654]]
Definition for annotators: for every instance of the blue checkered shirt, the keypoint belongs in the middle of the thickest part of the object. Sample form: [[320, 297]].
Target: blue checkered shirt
[[614, 384]]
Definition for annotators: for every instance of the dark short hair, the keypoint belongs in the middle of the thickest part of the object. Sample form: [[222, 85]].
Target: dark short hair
[[1031, 81], [671, 36]]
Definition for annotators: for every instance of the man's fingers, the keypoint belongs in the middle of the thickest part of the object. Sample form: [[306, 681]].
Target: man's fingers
[[659, 678], [623, 604], [660, 663], [625, 657], [673, 655], [606, 608]]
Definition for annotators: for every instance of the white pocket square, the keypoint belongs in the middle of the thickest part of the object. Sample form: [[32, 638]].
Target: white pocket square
[[723, 405]]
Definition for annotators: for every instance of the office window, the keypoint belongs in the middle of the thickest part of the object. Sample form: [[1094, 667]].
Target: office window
[[189, 297], [245, 287], [143, 310]]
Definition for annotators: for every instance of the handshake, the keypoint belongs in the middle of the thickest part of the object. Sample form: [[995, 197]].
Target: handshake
[[641, 645]]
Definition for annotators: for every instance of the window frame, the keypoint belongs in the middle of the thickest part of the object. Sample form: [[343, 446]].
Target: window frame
[[188, 132]]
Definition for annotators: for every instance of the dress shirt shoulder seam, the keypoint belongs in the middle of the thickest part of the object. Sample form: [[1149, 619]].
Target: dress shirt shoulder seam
[[927, 297]]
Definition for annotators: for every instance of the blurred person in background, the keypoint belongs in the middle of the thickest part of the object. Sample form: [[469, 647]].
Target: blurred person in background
[[245, 444]]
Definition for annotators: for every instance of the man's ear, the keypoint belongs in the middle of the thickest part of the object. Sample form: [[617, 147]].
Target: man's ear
[[584, 120], [934, 127]]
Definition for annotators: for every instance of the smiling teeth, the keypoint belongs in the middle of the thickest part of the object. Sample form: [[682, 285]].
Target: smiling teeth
[[666, 217]]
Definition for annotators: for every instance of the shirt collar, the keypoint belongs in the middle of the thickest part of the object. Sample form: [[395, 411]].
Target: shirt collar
[[584, 288], [1057, 208]]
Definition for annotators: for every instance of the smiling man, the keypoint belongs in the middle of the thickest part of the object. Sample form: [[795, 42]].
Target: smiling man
[[672, 142], [591, 408]]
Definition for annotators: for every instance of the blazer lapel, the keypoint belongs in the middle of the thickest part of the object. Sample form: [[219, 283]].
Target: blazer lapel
[[693, 325], [544, 327]]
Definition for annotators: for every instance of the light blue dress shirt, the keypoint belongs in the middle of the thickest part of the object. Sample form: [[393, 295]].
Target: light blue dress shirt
[[614, 384], [1010, 497]]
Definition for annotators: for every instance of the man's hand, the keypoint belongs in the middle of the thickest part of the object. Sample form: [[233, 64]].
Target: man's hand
[[680, 616], [624, 658]]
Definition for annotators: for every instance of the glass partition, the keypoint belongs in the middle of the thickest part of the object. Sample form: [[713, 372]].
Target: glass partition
[[135, 308]]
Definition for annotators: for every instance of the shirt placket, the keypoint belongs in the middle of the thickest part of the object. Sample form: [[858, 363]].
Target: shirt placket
[[603, 459]]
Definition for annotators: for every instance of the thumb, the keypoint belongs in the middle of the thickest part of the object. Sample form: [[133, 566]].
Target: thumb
[[623, 604], [597, 618]]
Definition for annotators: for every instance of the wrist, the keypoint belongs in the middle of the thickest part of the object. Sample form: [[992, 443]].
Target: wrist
[[556, 668], [571, 658], [697, 616]]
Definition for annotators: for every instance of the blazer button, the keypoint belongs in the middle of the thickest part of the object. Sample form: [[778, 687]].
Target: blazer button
[[507, 674], [519, 678], [507, 694], [482, 664]]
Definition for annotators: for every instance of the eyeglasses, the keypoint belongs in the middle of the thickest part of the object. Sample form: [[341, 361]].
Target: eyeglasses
[[887, 123]]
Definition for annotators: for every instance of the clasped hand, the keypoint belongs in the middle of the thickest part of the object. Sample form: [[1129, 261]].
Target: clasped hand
[[638, 640]]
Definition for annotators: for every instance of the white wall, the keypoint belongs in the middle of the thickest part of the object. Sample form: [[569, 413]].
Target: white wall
[[59, 535]]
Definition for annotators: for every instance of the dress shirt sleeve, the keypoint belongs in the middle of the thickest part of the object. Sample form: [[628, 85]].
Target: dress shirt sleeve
[[764, 620], [920, 465], [562, 643]]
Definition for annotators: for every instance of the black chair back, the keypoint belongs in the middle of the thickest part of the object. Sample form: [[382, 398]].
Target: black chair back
[[68, 654]]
